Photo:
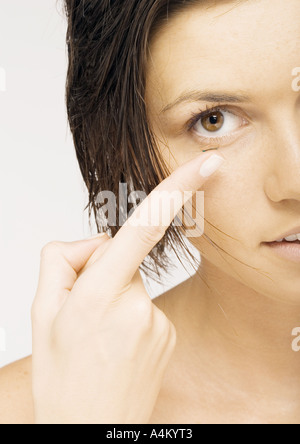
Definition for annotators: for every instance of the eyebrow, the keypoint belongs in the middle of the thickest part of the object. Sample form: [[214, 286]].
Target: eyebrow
[[207, 96]]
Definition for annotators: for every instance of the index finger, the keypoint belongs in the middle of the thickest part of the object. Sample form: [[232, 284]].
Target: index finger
[[149, 222]]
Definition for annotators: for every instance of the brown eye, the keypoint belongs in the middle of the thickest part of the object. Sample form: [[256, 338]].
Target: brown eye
[[213, 121], [217, 123]]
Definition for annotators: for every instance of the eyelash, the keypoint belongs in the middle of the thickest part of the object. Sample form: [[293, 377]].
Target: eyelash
[[201, 114]]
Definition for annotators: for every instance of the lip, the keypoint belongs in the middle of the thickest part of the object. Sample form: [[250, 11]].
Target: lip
[[286, 250], [288, 233]]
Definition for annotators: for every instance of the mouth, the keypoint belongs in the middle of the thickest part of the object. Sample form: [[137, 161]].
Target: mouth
[[289, 250]]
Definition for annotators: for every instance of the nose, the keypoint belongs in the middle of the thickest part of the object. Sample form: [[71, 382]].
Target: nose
[[283, 179]]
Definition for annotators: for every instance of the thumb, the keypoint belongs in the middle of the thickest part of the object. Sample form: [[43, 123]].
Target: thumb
[[59, 267]]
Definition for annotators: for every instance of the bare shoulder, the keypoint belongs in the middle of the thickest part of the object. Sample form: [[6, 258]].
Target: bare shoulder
[[16, 405]]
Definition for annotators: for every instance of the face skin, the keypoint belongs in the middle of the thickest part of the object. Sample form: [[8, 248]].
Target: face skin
[[256, 195], [253, 299]]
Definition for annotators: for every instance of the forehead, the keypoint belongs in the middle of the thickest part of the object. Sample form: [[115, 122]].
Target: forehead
[[255, 44]]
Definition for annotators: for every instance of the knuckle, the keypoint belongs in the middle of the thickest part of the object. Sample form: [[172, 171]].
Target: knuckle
[[143, 307], [143, 312], [172, 336], [151, 234], [162, 324], [50, 248]]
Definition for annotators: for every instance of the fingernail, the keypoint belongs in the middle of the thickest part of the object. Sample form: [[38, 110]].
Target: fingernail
[[211, 165]]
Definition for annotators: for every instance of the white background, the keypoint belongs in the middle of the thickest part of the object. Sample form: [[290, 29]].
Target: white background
[[42, 195]]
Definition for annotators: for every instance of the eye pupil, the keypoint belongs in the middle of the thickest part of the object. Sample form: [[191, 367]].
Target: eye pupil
[[213, 121]]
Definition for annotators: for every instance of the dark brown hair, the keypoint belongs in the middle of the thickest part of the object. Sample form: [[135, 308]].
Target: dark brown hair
[[108, 42]]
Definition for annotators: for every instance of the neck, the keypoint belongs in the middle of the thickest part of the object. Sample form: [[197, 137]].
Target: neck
[[234, 324]]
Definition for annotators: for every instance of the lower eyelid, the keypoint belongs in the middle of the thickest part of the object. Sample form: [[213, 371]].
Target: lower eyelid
[[220, 139], [214, 139]]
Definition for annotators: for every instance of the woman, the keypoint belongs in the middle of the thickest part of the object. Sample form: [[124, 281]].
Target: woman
[[151, 85]]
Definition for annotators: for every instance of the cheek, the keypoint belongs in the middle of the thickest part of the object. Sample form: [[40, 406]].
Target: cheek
[[230, 209], [231, 203]]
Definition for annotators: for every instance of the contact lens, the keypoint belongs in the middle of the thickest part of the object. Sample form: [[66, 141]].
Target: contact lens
[[210, 149]]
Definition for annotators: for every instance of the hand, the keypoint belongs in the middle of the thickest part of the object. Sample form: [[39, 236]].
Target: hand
[[100, 346]]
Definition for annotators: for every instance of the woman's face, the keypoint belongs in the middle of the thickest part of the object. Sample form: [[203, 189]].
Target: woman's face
[[247, 52]]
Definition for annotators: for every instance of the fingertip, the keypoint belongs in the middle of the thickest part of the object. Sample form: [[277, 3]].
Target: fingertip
[[211, 165]]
